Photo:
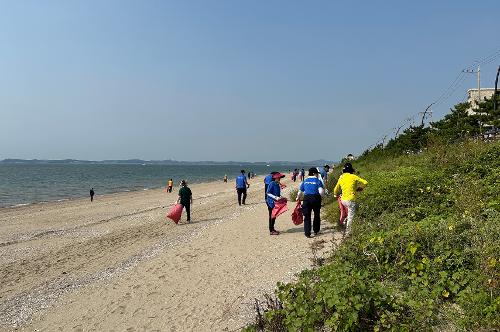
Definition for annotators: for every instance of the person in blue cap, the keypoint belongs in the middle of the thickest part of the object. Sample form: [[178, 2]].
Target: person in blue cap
[[310, 192], [241, 187], [273, 194]]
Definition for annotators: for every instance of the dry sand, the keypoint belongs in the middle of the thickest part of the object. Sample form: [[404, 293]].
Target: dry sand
[[118, 264]]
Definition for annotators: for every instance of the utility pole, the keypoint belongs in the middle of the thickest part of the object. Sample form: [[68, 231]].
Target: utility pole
[[478, 72], [496, 91], [479, 83]]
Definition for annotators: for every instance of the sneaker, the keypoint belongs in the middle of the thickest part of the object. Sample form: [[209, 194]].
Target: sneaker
[[308, 236], [274, 233]]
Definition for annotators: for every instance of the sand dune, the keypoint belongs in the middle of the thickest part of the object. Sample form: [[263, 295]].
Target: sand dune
[[119, 265]]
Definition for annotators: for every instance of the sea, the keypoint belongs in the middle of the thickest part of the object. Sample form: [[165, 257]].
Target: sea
[[23, 184]]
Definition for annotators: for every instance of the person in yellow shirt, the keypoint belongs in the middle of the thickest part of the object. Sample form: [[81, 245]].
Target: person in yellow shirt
[[348, 185], [170, 185]]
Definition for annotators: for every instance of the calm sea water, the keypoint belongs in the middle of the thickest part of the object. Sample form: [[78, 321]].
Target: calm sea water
[[24, 183]]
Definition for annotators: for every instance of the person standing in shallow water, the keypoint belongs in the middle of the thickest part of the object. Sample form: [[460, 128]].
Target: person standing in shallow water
[[92, 193], [185, 199]]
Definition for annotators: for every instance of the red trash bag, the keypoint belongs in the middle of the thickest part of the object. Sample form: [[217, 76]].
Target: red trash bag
[[175, 213], [279, 208], [343, 211], [297, 216]]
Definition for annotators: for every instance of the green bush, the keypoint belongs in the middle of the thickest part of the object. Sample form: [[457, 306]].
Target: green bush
[[424, 253]]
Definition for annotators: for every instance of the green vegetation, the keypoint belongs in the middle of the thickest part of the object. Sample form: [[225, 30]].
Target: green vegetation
[[424, 253]]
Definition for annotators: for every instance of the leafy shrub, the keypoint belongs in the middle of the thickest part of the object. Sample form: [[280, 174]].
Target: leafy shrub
[[423, 254]]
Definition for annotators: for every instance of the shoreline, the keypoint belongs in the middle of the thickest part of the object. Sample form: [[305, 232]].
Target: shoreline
[[118, 263], [109, 194]]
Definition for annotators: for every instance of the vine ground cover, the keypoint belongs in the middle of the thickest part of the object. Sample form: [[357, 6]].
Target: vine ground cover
[[424, 253]]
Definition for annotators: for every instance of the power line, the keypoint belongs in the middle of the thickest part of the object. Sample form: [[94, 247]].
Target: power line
[[490, 58], [453, 84], [447, 93]]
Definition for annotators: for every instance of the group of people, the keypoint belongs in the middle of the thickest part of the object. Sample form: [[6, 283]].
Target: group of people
[[310, 192], [298, 173]]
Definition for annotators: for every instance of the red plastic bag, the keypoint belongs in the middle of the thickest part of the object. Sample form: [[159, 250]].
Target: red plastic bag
[[279, 208], [343, 211], [297, 216], [175, 213]]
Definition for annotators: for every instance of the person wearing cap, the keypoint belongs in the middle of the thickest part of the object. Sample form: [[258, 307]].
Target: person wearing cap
[[310, 192], [185, 198], [273, 194], [349, 184], [267, 180], [241, 187]]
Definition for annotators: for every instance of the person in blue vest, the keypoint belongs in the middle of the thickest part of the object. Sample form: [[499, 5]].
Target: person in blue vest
[[241, 187], [267, 180], [310, 192], [323, 173], [273, 194]]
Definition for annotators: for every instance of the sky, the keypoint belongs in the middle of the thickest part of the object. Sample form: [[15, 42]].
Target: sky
[[230, 80]]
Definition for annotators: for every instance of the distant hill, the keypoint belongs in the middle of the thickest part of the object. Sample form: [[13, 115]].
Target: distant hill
[[319, 162]]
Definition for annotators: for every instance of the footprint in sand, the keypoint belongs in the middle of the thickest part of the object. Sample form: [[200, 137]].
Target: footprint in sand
[[153, 294], [121, 309]]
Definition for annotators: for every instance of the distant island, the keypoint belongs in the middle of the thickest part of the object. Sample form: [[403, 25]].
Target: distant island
[[319, 162]]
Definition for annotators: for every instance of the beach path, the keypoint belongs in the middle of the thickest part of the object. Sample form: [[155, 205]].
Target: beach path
[[118, 264]]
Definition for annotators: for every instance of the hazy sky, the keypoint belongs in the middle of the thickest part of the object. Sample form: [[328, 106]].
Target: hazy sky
[[229, 80]]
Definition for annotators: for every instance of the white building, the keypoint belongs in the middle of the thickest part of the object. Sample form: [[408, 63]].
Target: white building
[[474, 95]]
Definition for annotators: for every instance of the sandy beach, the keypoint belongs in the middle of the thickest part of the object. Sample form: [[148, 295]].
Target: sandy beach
[[118, 264]]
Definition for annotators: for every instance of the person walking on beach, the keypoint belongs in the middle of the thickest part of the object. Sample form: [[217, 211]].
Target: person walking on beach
[[310, 192], [185, 198], [225, 178], [323, 173], [92, 193], [267, 180], [241, 187], [273, 194], [302, 175], [170, 185], [348, 185]]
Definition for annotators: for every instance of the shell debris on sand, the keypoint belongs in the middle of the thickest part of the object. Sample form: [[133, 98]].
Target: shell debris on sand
[[225, 256]]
